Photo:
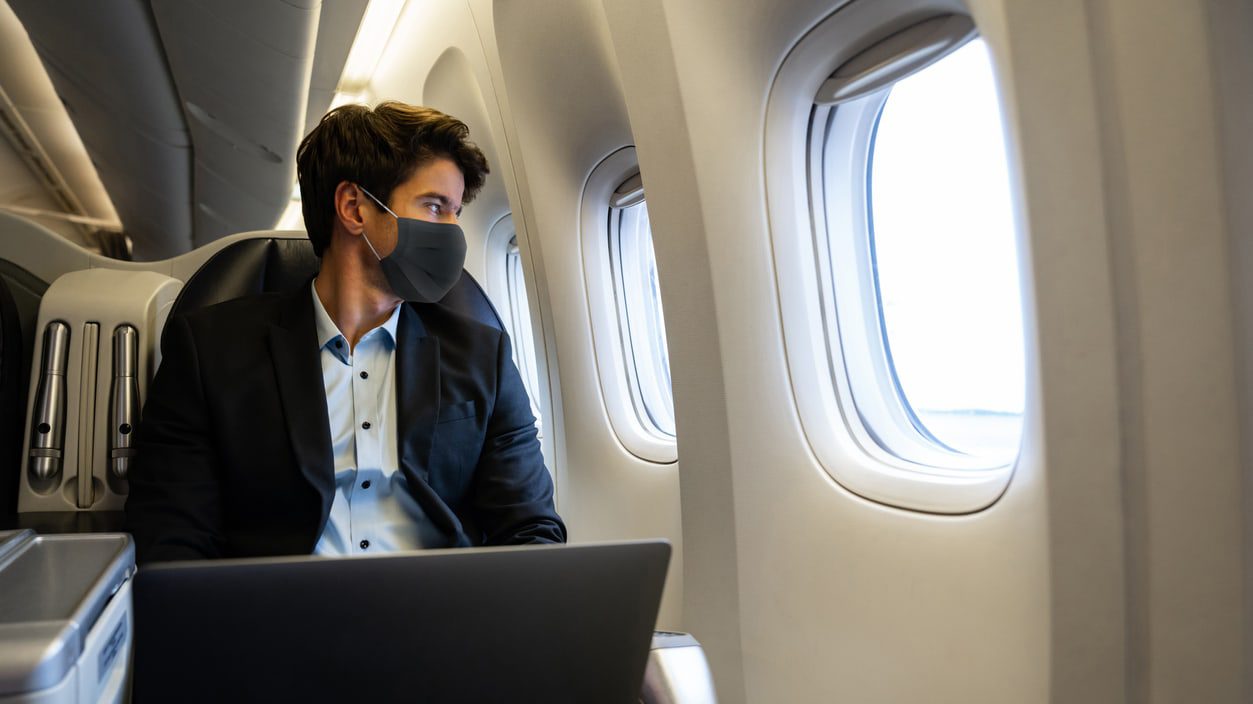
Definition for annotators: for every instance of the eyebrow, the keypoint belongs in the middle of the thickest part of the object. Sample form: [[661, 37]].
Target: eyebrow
[[443, 199]]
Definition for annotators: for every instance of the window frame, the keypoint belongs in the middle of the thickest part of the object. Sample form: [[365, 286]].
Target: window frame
[[631, 293], [615, 365], [520, 320], [501, 236], [830, 371], [888, 427]]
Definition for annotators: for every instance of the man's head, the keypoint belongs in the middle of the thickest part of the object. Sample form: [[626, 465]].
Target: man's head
[[378, 149]]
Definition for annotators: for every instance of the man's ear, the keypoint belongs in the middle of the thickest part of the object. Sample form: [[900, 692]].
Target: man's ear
[[348, 198]]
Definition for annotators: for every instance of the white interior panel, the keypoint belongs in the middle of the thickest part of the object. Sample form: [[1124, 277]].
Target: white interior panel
[[565, 115], [1106, 571], [437, 48], [337, 28], [445, 70], [1116, 565], [1171, 241], [838, 598], [452, 88]]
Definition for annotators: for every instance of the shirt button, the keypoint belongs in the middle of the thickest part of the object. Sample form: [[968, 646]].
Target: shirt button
[[365, 375], [339, 344], [365, 425], [365, 484], [365, 544]]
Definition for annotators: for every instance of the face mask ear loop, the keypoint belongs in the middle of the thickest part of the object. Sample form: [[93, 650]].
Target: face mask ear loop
[[384, 207]]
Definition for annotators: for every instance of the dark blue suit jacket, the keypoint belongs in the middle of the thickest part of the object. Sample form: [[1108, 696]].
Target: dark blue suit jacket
[[234, 451]]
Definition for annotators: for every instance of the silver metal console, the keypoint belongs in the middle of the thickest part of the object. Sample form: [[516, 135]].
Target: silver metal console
[[65, 617], [677, 672]]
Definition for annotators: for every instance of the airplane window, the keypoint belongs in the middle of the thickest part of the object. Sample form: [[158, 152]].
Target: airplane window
[[640, 316], [896, 239], [518, 322], [628, 331], [922, 265], [941, 232]]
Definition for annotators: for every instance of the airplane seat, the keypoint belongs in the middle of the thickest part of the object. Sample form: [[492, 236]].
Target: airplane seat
[[12, 396], [247, 267], [26, 291], [20, 293], [269, 264]]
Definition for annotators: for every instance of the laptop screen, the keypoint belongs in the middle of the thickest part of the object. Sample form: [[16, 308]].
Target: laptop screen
[[568, 623]]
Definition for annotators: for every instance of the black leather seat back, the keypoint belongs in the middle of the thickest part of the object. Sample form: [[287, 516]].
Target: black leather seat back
[[247, 267], [281, 264], [20, 294], [12, 401]]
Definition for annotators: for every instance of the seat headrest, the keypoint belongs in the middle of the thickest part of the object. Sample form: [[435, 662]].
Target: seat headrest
[[248, 267], [281, 264]]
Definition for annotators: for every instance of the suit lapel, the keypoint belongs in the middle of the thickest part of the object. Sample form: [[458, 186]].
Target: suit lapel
[[417, 407], [294, 350]]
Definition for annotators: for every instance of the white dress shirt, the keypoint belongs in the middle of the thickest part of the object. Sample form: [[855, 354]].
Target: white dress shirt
[[373, 510]]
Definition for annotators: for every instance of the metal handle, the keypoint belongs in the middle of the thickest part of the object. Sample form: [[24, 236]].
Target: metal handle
[[47, 432], [123, 400]]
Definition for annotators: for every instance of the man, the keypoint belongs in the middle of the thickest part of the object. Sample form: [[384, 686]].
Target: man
[[350, 416]]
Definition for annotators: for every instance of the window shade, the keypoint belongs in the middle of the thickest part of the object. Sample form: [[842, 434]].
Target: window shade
[[899, 55]]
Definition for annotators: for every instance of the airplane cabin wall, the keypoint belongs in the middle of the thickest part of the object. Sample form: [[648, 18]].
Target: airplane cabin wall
[[565, 114], [1104, 573], [1171, 243], [545, 120], [1116, 566], [1232, 57], [436, 57], [1111, 568], [451, 85], [1049, 94], [798, 589]]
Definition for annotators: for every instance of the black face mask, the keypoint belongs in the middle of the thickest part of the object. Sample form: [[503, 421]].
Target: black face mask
[[427, 260]]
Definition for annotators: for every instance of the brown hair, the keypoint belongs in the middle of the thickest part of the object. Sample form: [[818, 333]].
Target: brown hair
[[378, 149]]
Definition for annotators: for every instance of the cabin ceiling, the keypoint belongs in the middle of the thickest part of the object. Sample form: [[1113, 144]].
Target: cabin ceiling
[[190, 110]]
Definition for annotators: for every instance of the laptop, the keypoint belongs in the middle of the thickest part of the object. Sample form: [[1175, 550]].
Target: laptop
[[560, 623]]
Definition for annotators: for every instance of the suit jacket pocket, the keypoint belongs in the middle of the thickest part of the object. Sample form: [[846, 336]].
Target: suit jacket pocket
[[455, 411], [455, 451]]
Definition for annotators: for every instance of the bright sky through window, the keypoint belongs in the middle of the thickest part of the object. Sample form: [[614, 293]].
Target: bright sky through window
[[519, 324], [645, 322], [946, 255]]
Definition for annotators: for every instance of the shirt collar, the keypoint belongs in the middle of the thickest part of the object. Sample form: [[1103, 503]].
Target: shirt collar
[[328, 332]]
